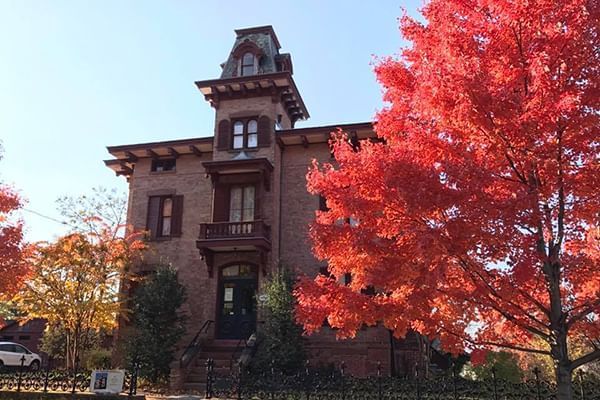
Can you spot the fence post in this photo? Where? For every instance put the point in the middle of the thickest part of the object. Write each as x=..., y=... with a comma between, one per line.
x=494, y=382
x=379, y=396
x=137, y=375
x=454, y=379
x=240, y=381
x=271, y=382
x=209, y=378
x=20, y=373
x=133, y=380
x=343, y=378
x=47, y=376
x=418, y=382
x=582, y=392
x=536, y=372
x=306, y=377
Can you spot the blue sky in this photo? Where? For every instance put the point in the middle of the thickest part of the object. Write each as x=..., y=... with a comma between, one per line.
x=76, y=76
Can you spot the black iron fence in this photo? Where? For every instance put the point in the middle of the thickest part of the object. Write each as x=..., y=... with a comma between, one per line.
x=57, y=381
x=312, y=384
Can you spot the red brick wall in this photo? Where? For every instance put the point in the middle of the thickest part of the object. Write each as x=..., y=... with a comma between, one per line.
x=29, y=334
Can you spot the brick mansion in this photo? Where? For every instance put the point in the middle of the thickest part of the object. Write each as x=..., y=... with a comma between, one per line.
x=226, y=210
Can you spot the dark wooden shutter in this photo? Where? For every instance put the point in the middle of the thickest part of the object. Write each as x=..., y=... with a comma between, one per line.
x=221, y=203
x=177, y=217
x=323, y=203
x=153, y=215
x=265, y=128
x=223, y=135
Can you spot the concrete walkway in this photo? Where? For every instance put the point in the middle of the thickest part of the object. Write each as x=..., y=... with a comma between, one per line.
x=173, y=397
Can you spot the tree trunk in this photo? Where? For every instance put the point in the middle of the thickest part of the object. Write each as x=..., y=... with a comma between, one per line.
x=564, y=382
x=68, y=349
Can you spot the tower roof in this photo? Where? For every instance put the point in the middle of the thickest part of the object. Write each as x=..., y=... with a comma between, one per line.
x=266, y=29
x=255, y=67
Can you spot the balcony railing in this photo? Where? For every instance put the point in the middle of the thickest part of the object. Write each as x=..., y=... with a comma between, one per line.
x=234, y=230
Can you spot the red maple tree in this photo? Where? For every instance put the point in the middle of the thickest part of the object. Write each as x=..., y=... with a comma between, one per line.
x=476, y=216
x=13, y=269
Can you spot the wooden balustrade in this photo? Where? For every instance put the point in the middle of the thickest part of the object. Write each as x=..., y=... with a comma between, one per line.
x=234, y=230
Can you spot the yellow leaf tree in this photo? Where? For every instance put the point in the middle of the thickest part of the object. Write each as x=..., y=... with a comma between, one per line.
x=75, y=284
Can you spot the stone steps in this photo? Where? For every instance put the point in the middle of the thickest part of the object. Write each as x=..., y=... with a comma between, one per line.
x=220, y=352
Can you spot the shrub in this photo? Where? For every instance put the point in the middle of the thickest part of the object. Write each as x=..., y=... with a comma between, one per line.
x=281, y=345
x=97, y=359
x=157, y=326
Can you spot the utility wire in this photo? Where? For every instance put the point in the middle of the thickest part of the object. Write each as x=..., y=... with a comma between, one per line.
x=48, y=217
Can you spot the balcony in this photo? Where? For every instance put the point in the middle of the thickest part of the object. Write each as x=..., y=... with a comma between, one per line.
x=235, y=230
x=218, y=237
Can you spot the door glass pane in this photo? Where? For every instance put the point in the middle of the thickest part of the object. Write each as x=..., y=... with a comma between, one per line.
x=228, y=309
x=247, y=300
x=228, y=296
x=228, y=299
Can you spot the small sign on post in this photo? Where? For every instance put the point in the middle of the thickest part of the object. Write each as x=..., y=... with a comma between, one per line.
x=107, y=381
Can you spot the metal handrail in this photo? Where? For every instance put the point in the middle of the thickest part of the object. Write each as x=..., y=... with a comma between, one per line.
x=238, y=348
x=247, y=346
x=193, y=348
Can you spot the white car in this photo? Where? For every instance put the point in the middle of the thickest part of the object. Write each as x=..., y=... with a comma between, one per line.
x=11, y=355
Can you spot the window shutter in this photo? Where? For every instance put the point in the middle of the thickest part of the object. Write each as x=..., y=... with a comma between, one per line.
x=265, y=128
x=153, y=215
x=223, y=135
x=177, y=218
x=323, y=203
x=221, y=203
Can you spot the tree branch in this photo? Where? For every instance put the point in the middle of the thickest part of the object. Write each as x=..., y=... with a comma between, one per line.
x=594, y=355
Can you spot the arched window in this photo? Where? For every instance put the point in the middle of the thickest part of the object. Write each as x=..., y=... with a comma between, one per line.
x=252, y=133
x=245, y=133
x=238, y=135
x=247, y=67
x=239, y=270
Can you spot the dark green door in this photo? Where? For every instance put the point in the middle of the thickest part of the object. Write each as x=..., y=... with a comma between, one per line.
x=236, y=317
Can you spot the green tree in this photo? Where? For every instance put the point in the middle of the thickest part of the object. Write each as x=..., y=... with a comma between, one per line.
x=504, y=364
x=157, y=325
x=54, y=343
x=281, y=345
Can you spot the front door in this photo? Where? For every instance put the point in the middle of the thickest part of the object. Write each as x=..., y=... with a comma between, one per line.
x=236, y=317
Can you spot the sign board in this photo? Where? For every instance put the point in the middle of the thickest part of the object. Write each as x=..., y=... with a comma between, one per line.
x=263, y=298
x=107, y=381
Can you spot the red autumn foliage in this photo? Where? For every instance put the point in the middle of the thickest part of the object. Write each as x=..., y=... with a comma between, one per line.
x=482, y=203
x=13, y=269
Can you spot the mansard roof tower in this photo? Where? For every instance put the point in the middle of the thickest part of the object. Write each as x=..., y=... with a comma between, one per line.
x=256, y=78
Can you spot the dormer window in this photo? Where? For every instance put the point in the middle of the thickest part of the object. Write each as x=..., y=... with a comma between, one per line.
x=245, y=134
x=248, y=64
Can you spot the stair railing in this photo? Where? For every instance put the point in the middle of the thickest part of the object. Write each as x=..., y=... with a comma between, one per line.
x=240, y=344
x=192, y=350
x=244, y=351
